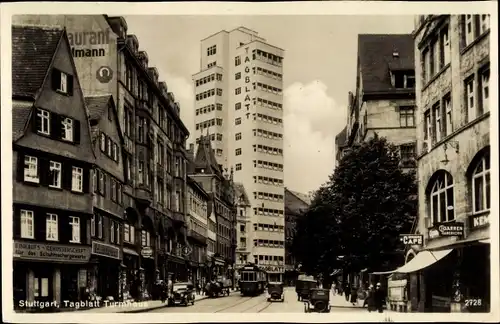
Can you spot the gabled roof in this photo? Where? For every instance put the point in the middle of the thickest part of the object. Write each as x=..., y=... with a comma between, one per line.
x=295, y=202
x=341, y=137
x=205, y=157
x=240, y=193
x=21, y=113
x=375, y=53
x=33, y=48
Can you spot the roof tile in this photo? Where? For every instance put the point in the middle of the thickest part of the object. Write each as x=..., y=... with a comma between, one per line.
x=32, y=50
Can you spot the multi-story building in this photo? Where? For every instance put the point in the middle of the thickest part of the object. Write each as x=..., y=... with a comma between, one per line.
x=221, y=209
x=52, y=162
x=453, y=133
x=109, y=62
x=296, y=205
x=107, y=182
x=384, y=99
x=197, y=228
x=239, y=104
x=243, y=226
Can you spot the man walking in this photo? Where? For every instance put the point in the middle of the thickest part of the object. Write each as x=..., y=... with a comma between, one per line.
x=379, y=298
x=347, y=291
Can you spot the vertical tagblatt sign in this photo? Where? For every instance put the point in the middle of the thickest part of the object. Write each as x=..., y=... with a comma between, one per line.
x=248, y=89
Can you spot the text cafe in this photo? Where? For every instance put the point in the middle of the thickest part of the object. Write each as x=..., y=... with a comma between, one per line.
x=105, y=270
x=48, y=272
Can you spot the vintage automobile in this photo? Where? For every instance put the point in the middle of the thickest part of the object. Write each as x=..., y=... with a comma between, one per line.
x=303, y=286
x=182, y=293
x=219, y=287
x=275, y=291
x=318, y=302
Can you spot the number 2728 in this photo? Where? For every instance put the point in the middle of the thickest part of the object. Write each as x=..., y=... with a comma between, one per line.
x=473, y=302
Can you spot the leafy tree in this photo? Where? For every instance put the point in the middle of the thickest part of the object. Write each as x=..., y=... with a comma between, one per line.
x=355, y=219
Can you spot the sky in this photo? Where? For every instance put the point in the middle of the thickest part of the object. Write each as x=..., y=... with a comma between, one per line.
x=318, y=72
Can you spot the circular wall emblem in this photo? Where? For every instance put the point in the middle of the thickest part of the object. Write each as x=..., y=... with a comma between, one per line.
x=104, y=74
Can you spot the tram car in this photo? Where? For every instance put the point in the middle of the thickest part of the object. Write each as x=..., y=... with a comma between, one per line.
x=253, y=280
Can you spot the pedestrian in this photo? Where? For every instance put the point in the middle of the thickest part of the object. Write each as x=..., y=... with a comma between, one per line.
x=379, y=298
x=334, y=288
x=354, y=295
x=347, y=291
x=370, y=299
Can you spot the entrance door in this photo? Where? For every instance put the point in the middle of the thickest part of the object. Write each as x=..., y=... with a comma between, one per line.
x=42, y=285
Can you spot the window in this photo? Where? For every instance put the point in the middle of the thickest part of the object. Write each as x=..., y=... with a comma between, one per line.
x=481, y=190
x=74, y=222
x=212, y=50
x=237, y=76
x=427, y=128
x=112, y=232
x=110, y=147
x=407, y=116
x=27, y=223
x=237, y=151
x=436, y=114
x=67, y=129
x=237, y=136
x=469, y=97
x=92, y=225
x=407, y=152
x=238, y=166
x=484, y=24
x=55, y=174
x=77, y=179
x=31, y=169
x=99, y=226
x=140, y=172
x=442, y=200
x=237, y=60
x=237, y=121
x=43, y=121
x=445, y=48
x=51, y=230
x=63, y=85
x=115, y=152
x=237, y=90
x=448, y=114
x=237, y=106
x=219, y=92
x=485, y=90
x=103, y=142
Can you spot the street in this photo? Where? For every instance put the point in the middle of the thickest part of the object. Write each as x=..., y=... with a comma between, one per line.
x=235, y=303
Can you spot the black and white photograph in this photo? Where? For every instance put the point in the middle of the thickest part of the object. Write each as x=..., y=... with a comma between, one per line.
x=173, y=166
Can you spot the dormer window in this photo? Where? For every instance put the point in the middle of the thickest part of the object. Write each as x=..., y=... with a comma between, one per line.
x=62, y=82
x=403, y=79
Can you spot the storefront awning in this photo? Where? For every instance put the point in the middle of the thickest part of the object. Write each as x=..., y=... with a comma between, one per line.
x=485, y=241
x=420, y=261
x=130, y=251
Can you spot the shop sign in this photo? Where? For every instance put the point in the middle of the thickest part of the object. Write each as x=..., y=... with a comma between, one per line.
x=479, y=220
x=273, y=269
x=411, y=239
x=147, y=252
x=52, y=252
x=447, y=229
x=106, y=250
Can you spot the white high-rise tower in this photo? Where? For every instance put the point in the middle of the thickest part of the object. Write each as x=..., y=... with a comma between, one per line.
x=239, y=103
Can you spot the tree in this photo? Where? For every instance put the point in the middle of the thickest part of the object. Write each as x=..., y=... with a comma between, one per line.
x=359, y=213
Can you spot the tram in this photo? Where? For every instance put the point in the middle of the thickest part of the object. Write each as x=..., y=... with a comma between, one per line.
x=253, y=280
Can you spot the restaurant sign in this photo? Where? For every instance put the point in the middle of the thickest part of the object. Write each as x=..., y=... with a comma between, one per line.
x=447, y=229
x=51, y=252
x=147, y=252
x=106, y=250
x=411, y=239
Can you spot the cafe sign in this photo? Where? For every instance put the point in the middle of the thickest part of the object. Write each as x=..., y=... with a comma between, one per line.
x=147, y=252
x=447, y=230
x=51, y=252
x=411, y=239
x=106, y=250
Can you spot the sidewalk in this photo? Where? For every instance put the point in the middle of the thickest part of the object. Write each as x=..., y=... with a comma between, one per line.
x=139, y=307
x=337, y=301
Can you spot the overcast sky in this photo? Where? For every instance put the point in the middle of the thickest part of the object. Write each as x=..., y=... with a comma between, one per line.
x=319, y=70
